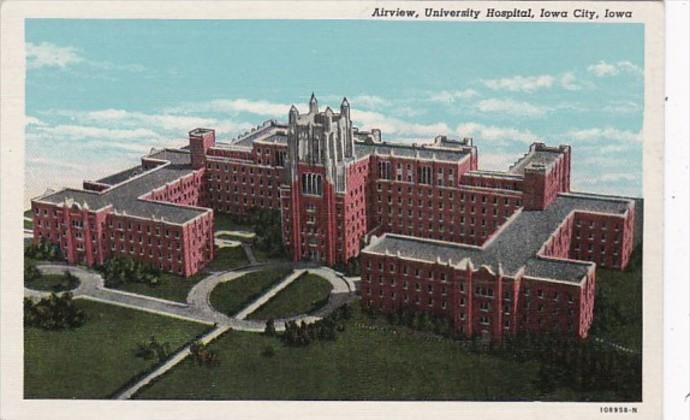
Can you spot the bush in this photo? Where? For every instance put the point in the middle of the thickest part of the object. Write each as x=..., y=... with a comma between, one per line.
x=302, y=334
x=53, y=313
x=44, y=250
x=31, y=272
x=119, y=270
x=203, y=356
x=269, y=234
x=270, y=329
x=152, y=349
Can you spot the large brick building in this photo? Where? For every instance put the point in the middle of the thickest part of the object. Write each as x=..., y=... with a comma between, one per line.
x=496, y=252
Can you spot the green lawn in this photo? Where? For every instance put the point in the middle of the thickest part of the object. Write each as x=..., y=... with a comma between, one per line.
x=52, y=283
x=618, y=304
x=233, y=296
x=95, y=360
x=305, y=295
x=228, y=259
x=362, y=364
x=226, y=222
x=172, y=287
x=28, y=224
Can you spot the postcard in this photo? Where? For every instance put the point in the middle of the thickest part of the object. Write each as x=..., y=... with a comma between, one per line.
x=332, y=209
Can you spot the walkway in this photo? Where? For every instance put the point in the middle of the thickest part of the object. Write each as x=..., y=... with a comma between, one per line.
x=198, y=307
x=169, y=364
x=270, y=294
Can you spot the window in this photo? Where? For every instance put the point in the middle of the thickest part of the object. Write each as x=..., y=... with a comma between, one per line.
x=311, y=184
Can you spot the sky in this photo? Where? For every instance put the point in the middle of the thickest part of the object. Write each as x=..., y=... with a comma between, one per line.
x=101, y=93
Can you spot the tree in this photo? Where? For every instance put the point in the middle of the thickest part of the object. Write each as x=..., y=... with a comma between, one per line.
x=31, y=272
x=43, y=250
x=270, y=329
x=119, y=270
x=53, y=313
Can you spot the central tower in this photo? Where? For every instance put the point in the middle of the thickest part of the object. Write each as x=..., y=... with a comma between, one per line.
x=321, y=139
x=320, y=150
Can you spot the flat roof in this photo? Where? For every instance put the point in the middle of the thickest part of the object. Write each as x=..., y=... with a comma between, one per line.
x=515, y=245
x=411, y=151
x=534, y=159
x=123, y=196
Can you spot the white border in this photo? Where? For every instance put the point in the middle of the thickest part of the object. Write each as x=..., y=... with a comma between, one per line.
x=12, y=179
x=677, y=285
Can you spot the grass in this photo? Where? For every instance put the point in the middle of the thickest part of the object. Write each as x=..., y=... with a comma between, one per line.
x=262, y=256
x=172, y=287
x=52, y=283
x=96, y=359
x=228, y=259
x=226, y=222
x=362, y=364
x=28, y=224
x=305, y=295
x=618, y=316
x=233, y=296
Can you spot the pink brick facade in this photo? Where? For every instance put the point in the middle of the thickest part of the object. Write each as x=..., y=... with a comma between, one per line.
x=496, y=252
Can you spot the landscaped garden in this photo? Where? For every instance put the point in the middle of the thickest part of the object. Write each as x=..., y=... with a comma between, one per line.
x=303, y=296
x=97, y=358
x=232, y=296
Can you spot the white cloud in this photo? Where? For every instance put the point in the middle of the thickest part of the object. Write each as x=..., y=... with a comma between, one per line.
x=46, y=54
x=173, y=124
x=622, y=107
x=484, y=132
x=79, y=132
x=568, y=82
x=449, y=97
x=511, y=107
x=369, y=101
x=249, y=106
x=604, y=69
x=496, y=161
x=393, y=126
x=32, y=121
x=521, y=83
x=607, y=133
x=54, y=163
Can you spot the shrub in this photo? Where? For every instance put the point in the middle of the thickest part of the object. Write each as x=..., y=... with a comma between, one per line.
x=270, y=329
x=202, y=355
x=44, y=250
x=31, y=272
x=53, y=313
x=153, y=349
x=269, y=235
x=119, y=270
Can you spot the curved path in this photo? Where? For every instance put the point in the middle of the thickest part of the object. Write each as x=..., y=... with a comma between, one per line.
x=198, y=307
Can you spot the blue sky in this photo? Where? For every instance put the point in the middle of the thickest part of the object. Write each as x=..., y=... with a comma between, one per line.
x=100, y=93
